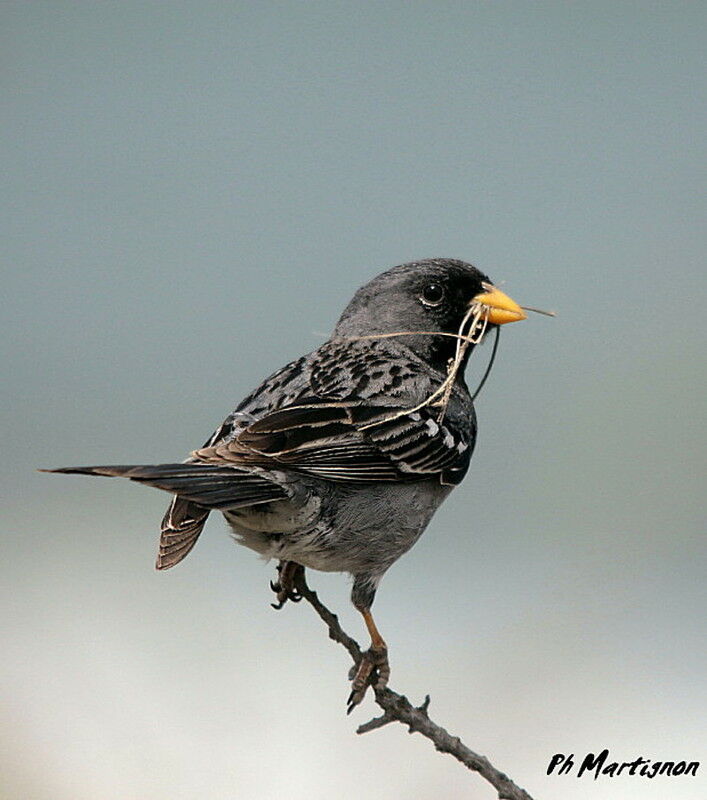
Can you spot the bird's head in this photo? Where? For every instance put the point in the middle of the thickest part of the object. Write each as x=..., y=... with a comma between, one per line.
x=436, y=296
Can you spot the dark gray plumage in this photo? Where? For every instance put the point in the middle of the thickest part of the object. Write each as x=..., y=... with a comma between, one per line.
x=338, y=460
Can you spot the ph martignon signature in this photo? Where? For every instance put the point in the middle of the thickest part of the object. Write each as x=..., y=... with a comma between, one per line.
x=601, y=766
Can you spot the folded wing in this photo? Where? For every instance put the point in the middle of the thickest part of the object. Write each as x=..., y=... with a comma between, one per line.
x=347, y=442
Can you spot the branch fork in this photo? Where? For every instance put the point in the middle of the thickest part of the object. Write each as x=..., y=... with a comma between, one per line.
x=397, y=708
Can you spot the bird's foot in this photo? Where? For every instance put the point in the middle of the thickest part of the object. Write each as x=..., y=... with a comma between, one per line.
x=372, y=670
x=284, y=586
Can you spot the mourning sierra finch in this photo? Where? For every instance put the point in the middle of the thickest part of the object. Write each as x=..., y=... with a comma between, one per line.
x=338, y=460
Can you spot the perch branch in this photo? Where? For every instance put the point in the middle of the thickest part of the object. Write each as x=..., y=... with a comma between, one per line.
x=397, y=708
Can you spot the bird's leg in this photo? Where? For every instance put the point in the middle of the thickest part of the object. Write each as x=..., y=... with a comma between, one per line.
x=284, y=586
x=373, y=669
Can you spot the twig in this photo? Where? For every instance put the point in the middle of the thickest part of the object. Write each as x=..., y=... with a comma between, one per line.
x=397, y=708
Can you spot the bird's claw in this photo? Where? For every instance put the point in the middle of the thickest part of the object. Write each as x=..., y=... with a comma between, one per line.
x=284, y=586
x=283, y=596
x=372, y=670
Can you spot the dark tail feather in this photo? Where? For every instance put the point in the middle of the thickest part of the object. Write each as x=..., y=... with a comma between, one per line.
x=199, y=488
x=181, y=527
x=208, y=485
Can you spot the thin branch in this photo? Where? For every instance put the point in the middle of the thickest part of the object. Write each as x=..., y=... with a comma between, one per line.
x=397, y=708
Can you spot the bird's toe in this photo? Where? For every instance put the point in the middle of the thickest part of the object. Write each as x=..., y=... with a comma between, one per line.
x=372, y=670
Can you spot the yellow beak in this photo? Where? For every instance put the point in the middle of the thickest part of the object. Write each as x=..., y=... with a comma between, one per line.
x=501, y=308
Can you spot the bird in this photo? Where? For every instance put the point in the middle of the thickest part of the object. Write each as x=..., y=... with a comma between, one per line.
x=338, y=461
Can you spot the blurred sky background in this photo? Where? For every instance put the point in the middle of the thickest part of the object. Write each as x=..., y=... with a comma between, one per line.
x=193, y=191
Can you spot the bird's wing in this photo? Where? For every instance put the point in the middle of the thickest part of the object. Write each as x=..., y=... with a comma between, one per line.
x=353, y=413
x=347, y=442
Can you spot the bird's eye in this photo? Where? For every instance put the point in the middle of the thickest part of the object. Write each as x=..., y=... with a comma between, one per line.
x=432, y=294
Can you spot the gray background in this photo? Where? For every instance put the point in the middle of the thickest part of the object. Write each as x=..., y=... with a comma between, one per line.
x=193, y=192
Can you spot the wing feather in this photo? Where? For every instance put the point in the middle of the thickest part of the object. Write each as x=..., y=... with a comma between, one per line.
x=347, y=442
